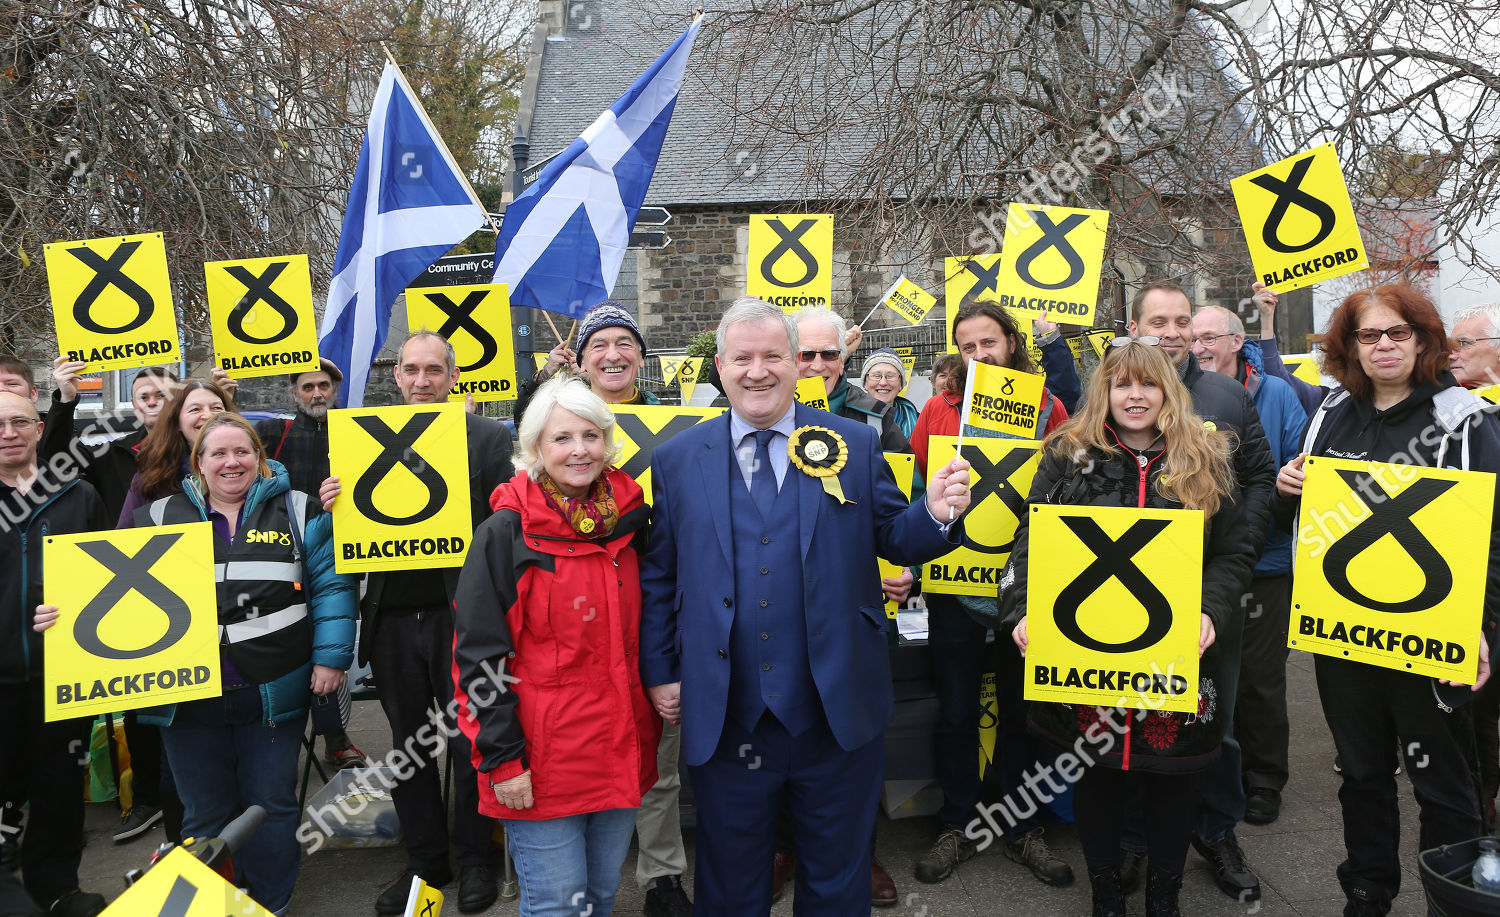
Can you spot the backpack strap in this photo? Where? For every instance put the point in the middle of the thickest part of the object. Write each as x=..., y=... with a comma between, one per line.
x=296, y=511
x=282, y=442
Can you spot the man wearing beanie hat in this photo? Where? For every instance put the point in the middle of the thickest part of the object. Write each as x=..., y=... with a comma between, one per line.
x=889, y=378
x=610, y=355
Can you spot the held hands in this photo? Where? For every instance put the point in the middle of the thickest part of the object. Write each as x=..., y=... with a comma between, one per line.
x=1019, y=635
x=1483, y=675
x=897, y=588
x=666, y=700
x=46, y=616
x=222, y=380
x=1206, y=635
x=558, y=358
x=65, y=376
x=1289, y=480
x=325, y=680
x=515, y=793
x=948, y=495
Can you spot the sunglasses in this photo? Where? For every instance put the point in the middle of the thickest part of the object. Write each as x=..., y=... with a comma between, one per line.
x=1395, y=333
x=807, y=356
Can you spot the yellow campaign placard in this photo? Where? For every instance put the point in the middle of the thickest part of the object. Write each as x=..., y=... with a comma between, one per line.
x=1002, y=399
x=1490, y=393
x=1304, y=366
x=476, y=321
x=1298, y=222
x=813, y=392
x=1001, y=472
x=979, y=275
x=1114, y=605
x=1051, y=261
x=790, y=261
x=540, y=359
x=138, y=623
x=989, y=720
x=640, y=428
x=670, y=367
x=404, y=475
x=1387, y=569
x=112, y=302
x=903, y=466
x=261, y=310
x=1099, y=340
x=425, y=901
x=180, y=885
x=909, y=364
x=908, y=300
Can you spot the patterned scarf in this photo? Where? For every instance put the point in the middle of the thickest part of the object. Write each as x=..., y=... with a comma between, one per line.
x=592, y=515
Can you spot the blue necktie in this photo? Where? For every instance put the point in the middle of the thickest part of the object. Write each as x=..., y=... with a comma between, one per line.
x=762, y=475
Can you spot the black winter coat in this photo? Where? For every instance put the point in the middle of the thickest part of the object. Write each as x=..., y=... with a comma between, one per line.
x=1225, y=404
x=1153, y=741
x=26, y=519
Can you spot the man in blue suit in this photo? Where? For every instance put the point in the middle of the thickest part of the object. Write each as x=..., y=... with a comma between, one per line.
x=762, y=626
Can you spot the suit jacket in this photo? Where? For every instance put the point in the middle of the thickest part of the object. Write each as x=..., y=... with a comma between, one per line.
x=687, y=577
x=489, y=466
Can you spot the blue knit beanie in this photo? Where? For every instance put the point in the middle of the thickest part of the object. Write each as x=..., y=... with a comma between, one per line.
x=607, y=314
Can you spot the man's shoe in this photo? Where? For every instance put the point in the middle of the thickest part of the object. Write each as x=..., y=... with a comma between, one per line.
x=1230, y=871
x=665, y=898
x=1132, y=865
x=785, y=865
x=882, y=886
x=138, y=822
x=950, y=849
x=476, y=889
x=77, y=904
x=392, y=901
x=1032, y=852
x=1262, y=806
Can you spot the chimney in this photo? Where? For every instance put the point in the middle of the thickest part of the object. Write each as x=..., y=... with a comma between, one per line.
x=553, y=14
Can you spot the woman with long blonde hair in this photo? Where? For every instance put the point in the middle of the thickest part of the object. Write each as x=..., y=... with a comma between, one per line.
x=1135, y=442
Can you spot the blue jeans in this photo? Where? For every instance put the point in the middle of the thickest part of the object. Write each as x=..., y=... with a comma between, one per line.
x=224, y=759
x=570, y=866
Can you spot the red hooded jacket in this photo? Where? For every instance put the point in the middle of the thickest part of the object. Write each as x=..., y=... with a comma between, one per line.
x=560, y=616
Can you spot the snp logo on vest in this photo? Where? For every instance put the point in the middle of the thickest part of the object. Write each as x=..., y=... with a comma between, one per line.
x=257, y=536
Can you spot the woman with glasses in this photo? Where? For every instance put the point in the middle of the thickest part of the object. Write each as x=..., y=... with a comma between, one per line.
x=1137, y=443
x=883, y=375
x=1398, y=403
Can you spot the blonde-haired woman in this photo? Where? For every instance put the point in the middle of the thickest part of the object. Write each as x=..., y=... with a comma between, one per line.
x=550, y=596
x=1137, y=443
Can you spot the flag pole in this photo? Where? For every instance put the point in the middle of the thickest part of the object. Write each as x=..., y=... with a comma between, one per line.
x=963, y=417
x=472, y=193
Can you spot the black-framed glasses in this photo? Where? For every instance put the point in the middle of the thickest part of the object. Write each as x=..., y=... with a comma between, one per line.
x=1466, y=343
x=1150, y=340
x=807, y=356
x=1207, y=340
x=1400, y=332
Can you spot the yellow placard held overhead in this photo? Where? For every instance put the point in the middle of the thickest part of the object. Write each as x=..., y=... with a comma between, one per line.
x=476, y=321
x=813, y=392
x=640, y=428
x=903, y=466
x=1304, y=366
x=261, y=310
x=979, y=276
x=1004, y=400
x=180, y=885
x=791, y=259
x=1390, y=571
x=1001, y=472
x=1051, y=261
x=908, y=300
x=1114, y=605
x=1298, y=222
x=138, y=624
x=404, y=475
x=112, y=302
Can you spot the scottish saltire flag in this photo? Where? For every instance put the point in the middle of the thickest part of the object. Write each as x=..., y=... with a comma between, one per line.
x=562, y=241
x=408, y=206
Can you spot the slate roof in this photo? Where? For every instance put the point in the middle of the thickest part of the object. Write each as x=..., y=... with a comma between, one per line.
x=608, y=43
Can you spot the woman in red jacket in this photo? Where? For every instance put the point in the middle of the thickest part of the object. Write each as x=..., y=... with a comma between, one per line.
x=546, y=656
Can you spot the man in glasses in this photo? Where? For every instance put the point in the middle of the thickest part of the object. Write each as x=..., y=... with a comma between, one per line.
x=1163, y=310
x=42, y=760
x=1257, y=719
x=820, y=342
